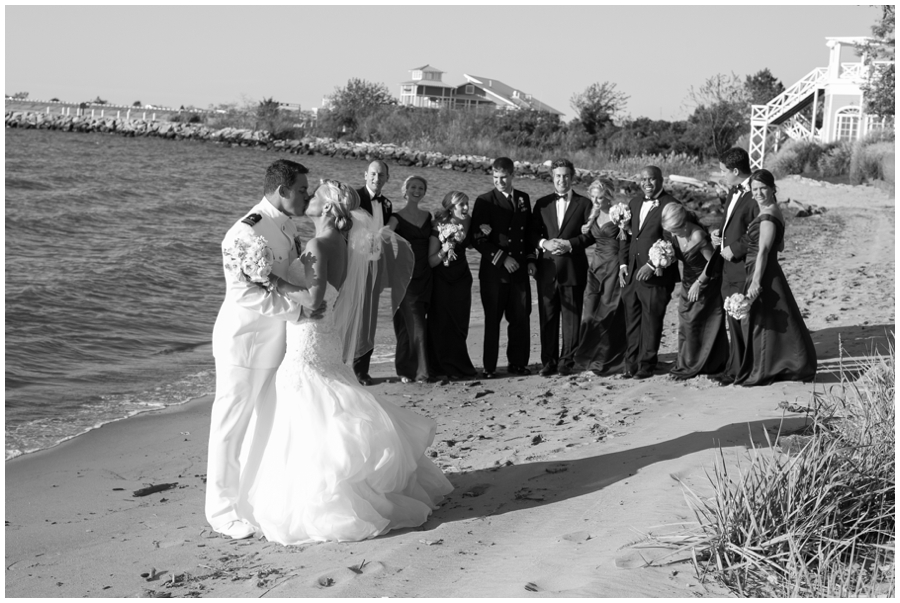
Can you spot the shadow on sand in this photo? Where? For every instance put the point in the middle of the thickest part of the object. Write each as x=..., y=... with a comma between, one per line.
x=510, y=488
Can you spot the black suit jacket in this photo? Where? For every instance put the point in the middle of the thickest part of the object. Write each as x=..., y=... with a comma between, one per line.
x=734, y=235
x=508, y=237
x=637, y=252
x=568, y=269
x=365, y=202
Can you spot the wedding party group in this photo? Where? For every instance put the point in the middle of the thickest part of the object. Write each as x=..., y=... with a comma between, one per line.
x=299, y=448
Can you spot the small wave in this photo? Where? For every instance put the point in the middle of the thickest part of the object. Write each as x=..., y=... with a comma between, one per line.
x=175, y=348
x=23, y=184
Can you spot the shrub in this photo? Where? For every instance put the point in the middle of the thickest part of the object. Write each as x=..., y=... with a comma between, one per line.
x=868, y=161
x=835, y=160
x=795, y=157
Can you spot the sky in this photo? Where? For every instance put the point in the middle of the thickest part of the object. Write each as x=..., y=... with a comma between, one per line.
x=208, y=55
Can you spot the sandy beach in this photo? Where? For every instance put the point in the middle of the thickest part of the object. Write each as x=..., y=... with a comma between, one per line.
x=557, y=481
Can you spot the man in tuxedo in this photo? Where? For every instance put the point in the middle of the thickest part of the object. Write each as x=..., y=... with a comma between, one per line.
x=646, y=293
x=503, y=273
x=740, y=210
x=248, y=344
x=379, y=207
x=561, y=269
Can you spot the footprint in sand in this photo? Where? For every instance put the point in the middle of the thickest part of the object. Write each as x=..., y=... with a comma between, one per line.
x=345, y=574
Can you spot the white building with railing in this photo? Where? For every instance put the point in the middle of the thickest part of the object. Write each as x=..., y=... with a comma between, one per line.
x=836, y=88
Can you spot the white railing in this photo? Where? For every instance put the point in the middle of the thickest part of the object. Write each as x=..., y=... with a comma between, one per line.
x=789, y=99
x=853, y=71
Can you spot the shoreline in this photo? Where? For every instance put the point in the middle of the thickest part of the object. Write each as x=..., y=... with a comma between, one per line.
x=557, y=480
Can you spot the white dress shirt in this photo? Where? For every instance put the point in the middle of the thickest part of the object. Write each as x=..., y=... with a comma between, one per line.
x=377, y=211
x=745, y=185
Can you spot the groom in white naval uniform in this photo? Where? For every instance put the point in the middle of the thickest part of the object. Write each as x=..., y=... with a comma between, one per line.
x=249, y=345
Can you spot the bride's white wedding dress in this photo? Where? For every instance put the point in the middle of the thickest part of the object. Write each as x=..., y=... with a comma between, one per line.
x=338, y=464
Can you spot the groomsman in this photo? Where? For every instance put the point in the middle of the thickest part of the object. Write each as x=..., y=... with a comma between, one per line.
x=249, y=345
x=561, y=269
x=503, y=275
x=379, y=207
x=645, y=294
x=740, y=210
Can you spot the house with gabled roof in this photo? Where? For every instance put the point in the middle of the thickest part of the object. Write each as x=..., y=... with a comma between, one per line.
x=426, y=88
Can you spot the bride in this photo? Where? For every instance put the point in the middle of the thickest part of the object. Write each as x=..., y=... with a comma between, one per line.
x=334, y=462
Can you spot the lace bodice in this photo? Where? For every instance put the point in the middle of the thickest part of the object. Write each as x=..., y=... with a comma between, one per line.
x=314, y=343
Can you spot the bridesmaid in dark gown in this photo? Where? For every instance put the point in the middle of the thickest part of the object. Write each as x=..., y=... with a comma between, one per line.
x=601, y=346
x=779, y=346
x=702, y=341
x=451, y=296
x=414, y=225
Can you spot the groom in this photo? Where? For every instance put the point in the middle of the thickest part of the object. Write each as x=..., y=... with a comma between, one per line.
x=249, y=343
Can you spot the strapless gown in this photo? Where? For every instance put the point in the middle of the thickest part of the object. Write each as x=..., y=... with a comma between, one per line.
x=335, y=462
x=779, y=346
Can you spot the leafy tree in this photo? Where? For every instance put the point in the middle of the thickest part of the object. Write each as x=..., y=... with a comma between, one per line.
x=598, y=105
x=878, y=91
x=136, y=104
x=99, y=101
x=720, y=115
x=20, y=95
x=54, y=100
x=267, y=115
x=352, y=103
x=762, y=87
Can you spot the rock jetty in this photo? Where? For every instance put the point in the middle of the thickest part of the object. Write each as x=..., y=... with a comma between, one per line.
x=697, y=196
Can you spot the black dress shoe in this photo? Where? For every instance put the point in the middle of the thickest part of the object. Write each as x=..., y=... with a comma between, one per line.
x=627, y=375
x=642, y=374
x=515, y=369
x=565, y=370
x=548, y=370
x=488, y=374
x=364, y=379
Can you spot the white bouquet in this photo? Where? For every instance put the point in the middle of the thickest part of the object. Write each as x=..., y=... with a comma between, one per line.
x=620, y=215
x=737, y=305
x=250, y=261
x=662, y=254
x=449, y=234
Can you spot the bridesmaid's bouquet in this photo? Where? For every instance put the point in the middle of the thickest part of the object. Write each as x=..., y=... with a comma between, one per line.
x=737, y=305
x=449, y=234
x=620, y=215
x=662, y=254
x=250, y=261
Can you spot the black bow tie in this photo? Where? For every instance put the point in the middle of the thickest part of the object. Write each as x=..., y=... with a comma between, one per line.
x=378, y=198
x=646, y=199
x=562, y=197
x=737, y=190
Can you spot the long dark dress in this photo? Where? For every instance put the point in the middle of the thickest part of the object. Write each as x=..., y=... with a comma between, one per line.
x=601, y=340
x=448, y=315
x=411, y=357
x=779, y=347
x=702, y=341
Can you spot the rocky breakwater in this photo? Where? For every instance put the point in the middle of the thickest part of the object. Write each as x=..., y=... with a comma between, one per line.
x=698, y=196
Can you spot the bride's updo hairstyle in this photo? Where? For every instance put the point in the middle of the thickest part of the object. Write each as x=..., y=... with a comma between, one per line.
x=410, y=179
x=343, y=200
x=673, y=216
x=451, y=200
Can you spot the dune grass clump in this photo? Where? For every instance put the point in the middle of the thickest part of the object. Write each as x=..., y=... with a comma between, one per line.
x=815, y=518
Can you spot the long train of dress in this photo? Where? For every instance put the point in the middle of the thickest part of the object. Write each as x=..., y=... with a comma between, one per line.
x=335, y=462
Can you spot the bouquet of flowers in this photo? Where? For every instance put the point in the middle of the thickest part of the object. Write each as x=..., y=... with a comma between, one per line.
x=737, y=305
x=620, y=215
x=250, y=261
x=662, y=254
x=449, y=234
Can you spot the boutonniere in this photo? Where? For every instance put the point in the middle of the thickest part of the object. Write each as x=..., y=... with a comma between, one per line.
x=654, y=203
x=520, y=204
x=387, y=203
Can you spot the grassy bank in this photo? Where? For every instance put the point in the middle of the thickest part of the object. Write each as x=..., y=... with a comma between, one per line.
x=817, y=518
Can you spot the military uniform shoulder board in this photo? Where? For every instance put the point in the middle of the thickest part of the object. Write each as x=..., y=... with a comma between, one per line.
x=252, y=219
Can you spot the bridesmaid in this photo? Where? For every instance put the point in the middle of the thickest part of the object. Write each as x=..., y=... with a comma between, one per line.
x=451, y=297
x=702, y=342
x=414, y=225
x=779, y=346
x=602, y=337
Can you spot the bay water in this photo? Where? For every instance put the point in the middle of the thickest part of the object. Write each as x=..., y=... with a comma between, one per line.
x=114, y=271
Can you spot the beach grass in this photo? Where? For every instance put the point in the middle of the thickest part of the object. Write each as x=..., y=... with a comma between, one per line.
x=813, y=515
